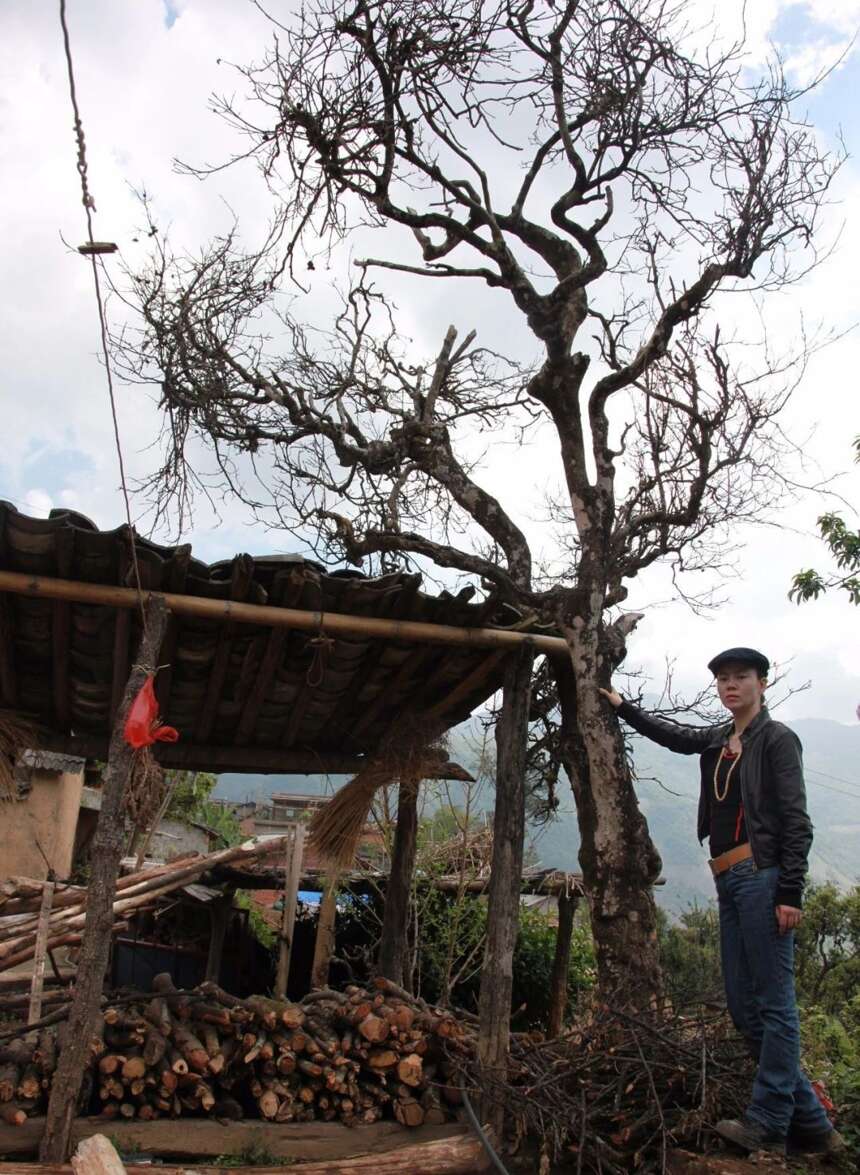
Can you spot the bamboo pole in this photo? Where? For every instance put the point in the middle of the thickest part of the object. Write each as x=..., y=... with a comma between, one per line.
x=40, y=954
x=336, y=623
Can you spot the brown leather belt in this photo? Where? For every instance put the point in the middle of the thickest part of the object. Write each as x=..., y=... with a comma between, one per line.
x=726, y=860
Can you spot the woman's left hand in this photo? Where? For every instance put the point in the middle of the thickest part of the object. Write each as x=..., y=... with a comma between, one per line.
x=787, y=917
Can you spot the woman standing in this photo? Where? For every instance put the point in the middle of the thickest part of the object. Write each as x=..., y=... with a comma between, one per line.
x=752, y=807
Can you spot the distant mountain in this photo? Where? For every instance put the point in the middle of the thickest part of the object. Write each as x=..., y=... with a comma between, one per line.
x=668, y=791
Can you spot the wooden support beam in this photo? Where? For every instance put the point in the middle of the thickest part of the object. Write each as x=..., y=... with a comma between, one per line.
x=393, y=943
x=38, y=982
x=503, y=901
x=326, y=932
x=567, y=903
x=99, y=923
x=219, y=913
x=332, y=623
x=292, y=877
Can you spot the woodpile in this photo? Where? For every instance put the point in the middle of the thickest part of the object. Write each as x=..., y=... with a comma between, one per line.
x=21, y=899
x=354, y=1057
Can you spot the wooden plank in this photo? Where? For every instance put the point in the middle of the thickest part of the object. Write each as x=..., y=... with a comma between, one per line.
x=293, y=873
x=38, y=983
x=334, y=623
x=201, y=1137
x=460, y=1154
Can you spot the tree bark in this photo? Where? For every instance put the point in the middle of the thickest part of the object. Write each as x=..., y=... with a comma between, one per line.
x=393, y=945
x=506, y=876
x=567, y=904
x=618, y=859
x=95, y=947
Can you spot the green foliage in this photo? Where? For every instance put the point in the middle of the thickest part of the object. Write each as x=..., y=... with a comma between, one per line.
x=844, y=546
x=690, y=953
x=831, y=1054
x=256, y=1154
x=263, y=933
x=828, y=950
x=189, y=789
x=451, y=943
x=223, y=823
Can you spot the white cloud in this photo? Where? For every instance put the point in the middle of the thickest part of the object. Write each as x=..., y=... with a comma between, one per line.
x=143, y=89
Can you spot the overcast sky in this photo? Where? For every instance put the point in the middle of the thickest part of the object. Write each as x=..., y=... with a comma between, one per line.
x=145, y=70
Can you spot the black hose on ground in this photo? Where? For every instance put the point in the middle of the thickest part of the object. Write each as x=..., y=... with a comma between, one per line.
x=482, y=1134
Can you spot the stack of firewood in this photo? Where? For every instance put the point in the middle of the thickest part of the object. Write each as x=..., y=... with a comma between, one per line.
x=352, y=1056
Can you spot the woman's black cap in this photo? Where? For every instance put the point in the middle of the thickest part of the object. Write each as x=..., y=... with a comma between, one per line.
x=741, y=657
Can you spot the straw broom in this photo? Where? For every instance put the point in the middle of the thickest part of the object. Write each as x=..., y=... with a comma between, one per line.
x=406, y=756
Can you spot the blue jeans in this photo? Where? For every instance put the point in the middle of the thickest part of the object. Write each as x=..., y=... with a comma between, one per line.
x=758, y=971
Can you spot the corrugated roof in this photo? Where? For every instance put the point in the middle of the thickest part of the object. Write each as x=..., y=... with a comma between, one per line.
x=250, y=691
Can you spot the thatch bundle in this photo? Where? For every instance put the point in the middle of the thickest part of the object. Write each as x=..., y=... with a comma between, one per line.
x=17, y=733
x=408, y=754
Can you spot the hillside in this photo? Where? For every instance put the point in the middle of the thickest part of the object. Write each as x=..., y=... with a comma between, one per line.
x=668, y=790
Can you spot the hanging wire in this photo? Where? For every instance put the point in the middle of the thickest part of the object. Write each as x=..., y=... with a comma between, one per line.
x=92, y=250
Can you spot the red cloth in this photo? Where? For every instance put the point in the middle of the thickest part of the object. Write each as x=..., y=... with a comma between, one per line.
x=142, y=727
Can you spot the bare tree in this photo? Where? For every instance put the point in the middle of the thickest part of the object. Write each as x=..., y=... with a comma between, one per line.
x=599, y=176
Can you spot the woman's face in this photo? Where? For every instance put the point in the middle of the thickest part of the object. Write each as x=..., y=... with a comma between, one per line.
x=739, y=687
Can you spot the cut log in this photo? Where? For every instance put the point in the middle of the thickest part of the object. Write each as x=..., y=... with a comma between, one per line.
x=410, y=1070
x=408, y=1112
x=12, y=1114
x=374, y=1028
x=9, y=1077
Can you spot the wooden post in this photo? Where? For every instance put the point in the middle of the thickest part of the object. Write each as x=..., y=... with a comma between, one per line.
x=98, y=927
x=395, y=919
x=567, y=904
x=38, y=981
x=219, y=914
x=324, y=945
x=509, y=822
x=293, y=873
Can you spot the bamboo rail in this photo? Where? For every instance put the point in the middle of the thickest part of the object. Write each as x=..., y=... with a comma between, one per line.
x=336, y=623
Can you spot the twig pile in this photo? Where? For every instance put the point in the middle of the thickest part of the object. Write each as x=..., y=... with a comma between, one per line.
x=355, y=1056
x=617, y=1091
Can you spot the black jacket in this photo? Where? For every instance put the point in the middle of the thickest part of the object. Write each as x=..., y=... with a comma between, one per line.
x=772, y=789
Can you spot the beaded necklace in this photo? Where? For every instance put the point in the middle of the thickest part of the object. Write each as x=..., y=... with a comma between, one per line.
x=735, y=759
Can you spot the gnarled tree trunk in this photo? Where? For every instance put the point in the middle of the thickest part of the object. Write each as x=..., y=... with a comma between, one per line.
x=618, y=859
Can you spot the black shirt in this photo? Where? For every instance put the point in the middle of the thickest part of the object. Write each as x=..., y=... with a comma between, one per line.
x=727, y=824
